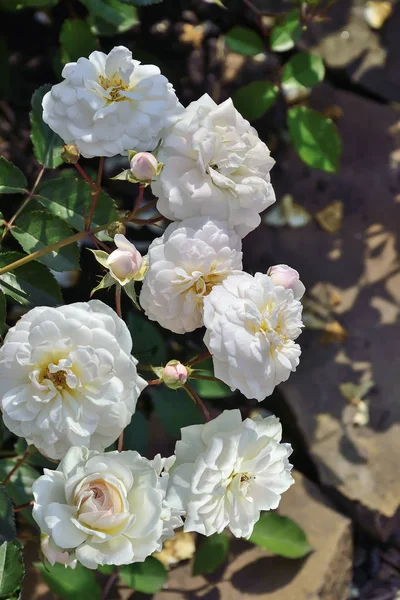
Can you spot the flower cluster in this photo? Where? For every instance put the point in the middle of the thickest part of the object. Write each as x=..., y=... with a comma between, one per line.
x=68, y=382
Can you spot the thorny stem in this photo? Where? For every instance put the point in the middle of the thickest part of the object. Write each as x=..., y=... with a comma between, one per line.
x=84, y=175
x=118, y=290
x=23, y=205
x=16, y=467
x=23, y=506
x=196, y=398
x=96, y=193
x=196, y=359
x=110, y=582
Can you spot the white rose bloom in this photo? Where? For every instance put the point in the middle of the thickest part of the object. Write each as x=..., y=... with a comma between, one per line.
x=227, y=471
x=110, y=103
x=67, y=377
x=171, y=517
x=184, y=264
x=103, y=509
x=215, y=165
x=251, y=327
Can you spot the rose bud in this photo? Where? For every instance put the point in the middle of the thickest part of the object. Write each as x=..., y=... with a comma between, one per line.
x=144, y=166
x=125, y=262
x=174, y=374
x=287, y=278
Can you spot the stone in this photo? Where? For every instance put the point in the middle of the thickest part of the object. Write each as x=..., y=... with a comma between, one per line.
x=251, y=572
x=352, y=278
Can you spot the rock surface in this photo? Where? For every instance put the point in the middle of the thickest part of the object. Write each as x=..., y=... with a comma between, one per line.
x=252, y=573
x=353, y=281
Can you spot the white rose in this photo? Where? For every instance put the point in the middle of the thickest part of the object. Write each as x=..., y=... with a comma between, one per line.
x=108, y=104
x=54, y=554
x=227, y=471
x=171, y=516
x=103, y=509
x=184, y=264
x=215, y=165
x=67, y=377
x=124, y=262
x=251, y=327
x=287, y=277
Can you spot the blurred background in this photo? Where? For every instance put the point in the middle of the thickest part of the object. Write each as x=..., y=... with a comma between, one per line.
x=320, y=81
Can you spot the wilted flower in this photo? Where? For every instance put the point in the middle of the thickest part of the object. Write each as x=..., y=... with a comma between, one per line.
x=251, y=327
x=288, y=278
x=184, y=264
x=102, y=509
x=110, y=103
x=227, y=471
x=67, y=377
x=215, y=165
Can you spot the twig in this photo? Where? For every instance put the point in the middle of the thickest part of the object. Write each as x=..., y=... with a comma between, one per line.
x=196, y=398
x=205, y=377
x=96, y=193
x=16, y=467
x=120, y=442
x=110, y=582
x=84, y=175
x=118, y=290
x=23, y=506
x=138, y=202
x=23, y=205
x=196, y=359
x=154, y=382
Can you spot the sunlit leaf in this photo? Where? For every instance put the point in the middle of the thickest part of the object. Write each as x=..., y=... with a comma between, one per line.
x=46, y=144
x=285, y=34
x=244, y=41
x=147, y=577
x=280, y=535
x=303, y=70
x=211, y=553
x=12, y=179
x=11, y=569
x=255, y=99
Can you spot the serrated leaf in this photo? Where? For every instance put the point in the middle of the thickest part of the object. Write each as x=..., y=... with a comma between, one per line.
x=244, y=41
x=175, y=409
x=147, y=577
x=12, y=179
x=148, y=343
x=7, y=521
x=209, y=389
x=303, y=70
x=3, y=313
x=38, y=230
x=70, y=198
x=211, y=553
x=11, y=569
x=76, y=40
x=285, y=34
x=30, y=284
x=71, y=584
x=46, y=144
x=255, y=99
x=108, y=17
x=280, y=535
x=136, y=434
x=315, y=138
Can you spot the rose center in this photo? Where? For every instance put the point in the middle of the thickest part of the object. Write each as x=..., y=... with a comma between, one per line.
x=114, y=86
x=205, y=284
x=59, y=378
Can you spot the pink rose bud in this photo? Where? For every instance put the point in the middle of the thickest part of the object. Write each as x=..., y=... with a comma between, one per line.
x=54, y=554
x=287, y=278
x=144, y=166
x=175, y=374
x=125, y=262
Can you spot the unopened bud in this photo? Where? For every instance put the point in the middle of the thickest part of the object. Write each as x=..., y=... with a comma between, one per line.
x=288, y=278
x=125, y=262
x=115, y=228
x=70, y=154
x=144, y=167
x=174, y=374
x=54, y=554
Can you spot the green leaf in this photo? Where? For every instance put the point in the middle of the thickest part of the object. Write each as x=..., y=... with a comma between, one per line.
x=136, y=434
x=148, y=343
x=30, y=284
x=7, y=522
x=175, y=409
x=303, y=71
x=211, y=553
x=3, y=313
x=70, y=198
x=244, y=41
x=285, y=35
x=147, y=577
x=76, y=39
x=280, y=535
x=46, y=144
x=11, y=569
x=20, y=486
x=106, y=569
x=141, y=2
x=71, y=584
x=108, y=17
x=255, y=99
x=38, y=230
x=315, y=138
x=209, y=389
x=12, y=179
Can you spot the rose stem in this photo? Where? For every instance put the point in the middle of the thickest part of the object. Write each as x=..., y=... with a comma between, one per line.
x=120, y=442
x=138, y=201
x=16, y=466
x=154, y=382
x=96, y=193
x=23, y=506
x=23, y=205
x=118, y=309
x=198, y=358
x=205, y=377
x=194, y=396
x=85, y=175
x=110, y=582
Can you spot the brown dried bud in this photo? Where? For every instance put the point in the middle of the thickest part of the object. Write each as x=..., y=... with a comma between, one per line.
x=115, y=228
x=70, y=154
